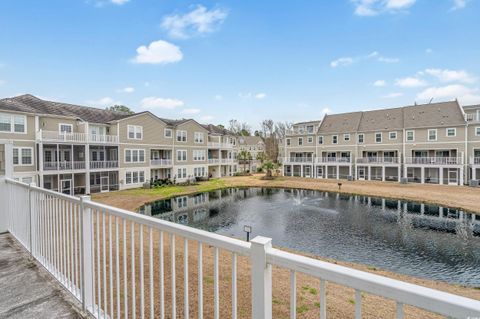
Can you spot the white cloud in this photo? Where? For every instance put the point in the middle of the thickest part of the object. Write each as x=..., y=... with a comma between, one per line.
x=250, y=95
x=380, y=83
x=459, y=4
x=326, y=110
x=453, y=91
x=410, y=82
x=375, y=55
x=191, y=111
x=376, y=7
x=103, y=102
x=341, y=62
x=446, y=75
x=158, y=52
x=260, y=96
x=206, y=118
x=392, y=95
x=127, y=89
x=196, y=22
x=160, y=103
x=119, y=2
x=218, y=97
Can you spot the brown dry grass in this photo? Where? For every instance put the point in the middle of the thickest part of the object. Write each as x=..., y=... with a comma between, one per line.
x=340, y=299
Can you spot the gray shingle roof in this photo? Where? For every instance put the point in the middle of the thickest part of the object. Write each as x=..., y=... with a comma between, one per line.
x=250, y=140
x=30, y=104
x=434, y=114
x=343, y=122
x=215, y=129
x=387, y=119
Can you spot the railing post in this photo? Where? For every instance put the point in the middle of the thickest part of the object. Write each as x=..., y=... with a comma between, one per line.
x=30, y=218
x=86, y=271
x=261, y=278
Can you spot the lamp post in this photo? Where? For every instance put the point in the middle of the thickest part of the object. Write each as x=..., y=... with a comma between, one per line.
x=248, y=230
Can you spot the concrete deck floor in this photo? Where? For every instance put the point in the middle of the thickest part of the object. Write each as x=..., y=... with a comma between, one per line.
x=26, y=289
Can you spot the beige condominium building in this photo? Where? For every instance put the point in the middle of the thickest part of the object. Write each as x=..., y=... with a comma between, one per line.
x=81, y=150
x=253, y=145
x=435, y=143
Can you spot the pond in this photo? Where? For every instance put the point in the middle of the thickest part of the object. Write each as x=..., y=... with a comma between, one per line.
x=420, y=240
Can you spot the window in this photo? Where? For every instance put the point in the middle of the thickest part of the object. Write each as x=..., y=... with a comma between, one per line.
x=198, y=155
x=410, y=136
x=22, y=156
x=378, y=137
x=168, y=133
x=182, y=173
x=65, y=128
x=477, y=131
x=134, y=177
x=320, y=140
x=181, y=136
x=478, y=115
x=288, y=142
x=392, y=135
x=346, y=137
x=199, y=172
x=300, y=141
x=309, y=139
x=310, y=129
x=432, y=135
x=13, y=123
x=181, y=155
x=199, y=137
x=334, y=139
x=182, y=201
x=134, y=156
x=361, y=138
x=451, y=132
x=135, y=132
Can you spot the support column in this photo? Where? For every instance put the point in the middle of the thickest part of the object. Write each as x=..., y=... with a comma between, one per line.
x=399, y=173
x=422, y=175
x=350, y=171
x=440, y=175
x=461, y=176
x=261, y=278
x=474, y=173
x=301, y=170
x=58, y=157
x=383, y=173
x=338, y=172
x=369, y=173
x=8, y=153
x=87, y=166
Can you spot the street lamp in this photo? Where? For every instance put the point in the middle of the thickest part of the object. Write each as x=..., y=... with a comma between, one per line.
x=248, y=230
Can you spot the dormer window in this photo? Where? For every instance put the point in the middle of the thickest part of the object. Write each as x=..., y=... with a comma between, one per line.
x=310, y=129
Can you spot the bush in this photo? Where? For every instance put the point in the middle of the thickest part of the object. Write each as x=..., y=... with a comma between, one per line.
x=160, y=182
x=259, y=169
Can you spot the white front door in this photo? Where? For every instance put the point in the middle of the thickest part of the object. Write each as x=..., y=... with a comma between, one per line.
x=361, y=173
x=452, y=177
x=104, y=185
x=66, y=186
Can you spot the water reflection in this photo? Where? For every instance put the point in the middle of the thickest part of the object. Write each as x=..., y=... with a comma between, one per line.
x=406, y=237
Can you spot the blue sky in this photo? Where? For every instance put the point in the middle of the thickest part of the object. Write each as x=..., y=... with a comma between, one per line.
x=248, y=60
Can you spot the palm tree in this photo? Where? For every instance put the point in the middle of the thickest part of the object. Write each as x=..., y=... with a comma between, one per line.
x=262, y=157
x=269, y=166
x=243, y=156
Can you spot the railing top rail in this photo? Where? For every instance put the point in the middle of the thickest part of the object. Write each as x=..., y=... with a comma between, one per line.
x=72, y=199
x=231, y=244
x=432, y=300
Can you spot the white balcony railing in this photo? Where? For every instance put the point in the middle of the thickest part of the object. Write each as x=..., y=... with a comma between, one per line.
x=213, y=161
x=298, y=160
x=434, y=160
x=103, y=164
x=63, y=166
x=160, y=162
x=92, y=250
x=475, y=161
x=54, y=136
x=334, y=160
x=377, y=160
x=227, y=161
x=220, y=145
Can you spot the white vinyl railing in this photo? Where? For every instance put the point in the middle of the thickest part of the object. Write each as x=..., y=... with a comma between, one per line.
x=121, y=264
x=219, y=145
x=475, y=160
x=103, y=164
x=213, y=161
x=434, y=160
x=298, y=159
x=63, y=166
x=377, y=160
x=74, y=137
x=333, y=160
x=160, y=162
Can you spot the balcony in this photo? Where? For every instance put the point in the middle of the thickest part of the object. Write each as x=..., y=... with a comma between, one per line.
x=214, y=161
x=81, y=243
x=103, y=164
x=291, y=160
x=63, y=166
x=475, y=161
x=220, y=145
x=161, y=162
x=62, y=137
x=378, y=160
x=334, y=160
x=227, y=161
x=434, y=160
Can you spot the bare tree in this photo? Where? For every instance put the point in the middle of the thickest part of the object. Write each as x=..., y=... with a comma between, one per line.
x=240, y=128
x=272, y=133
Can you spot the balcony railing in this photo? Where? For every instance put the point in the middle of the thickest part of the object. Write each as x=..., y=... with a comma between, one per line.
x=63, y=166
x=298, y=159
x=54, y=136
x=161, y=162
x=475, y=161
x=103, y=164
x=220, y=145
x=434, y=160
x=93, y=249
x=228, y=161
x=377, y=160
x=213, y=161
x=323, y=160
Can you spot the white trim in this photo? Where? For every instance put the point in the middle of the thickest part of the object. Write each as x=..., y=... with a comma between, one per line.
x=135, y=128
x=454, y=131
x=20, y=157
x=428, y=134
x=12, y=123
x=165, y=130
x=381, y=137
x=390, y=135
x=182, y=160
x=65, y=124
x=131, y=155
x=406, y=136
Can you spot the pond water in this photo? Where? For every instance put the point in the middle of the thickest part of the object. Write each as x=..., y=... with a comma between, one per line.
x=409, y=238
